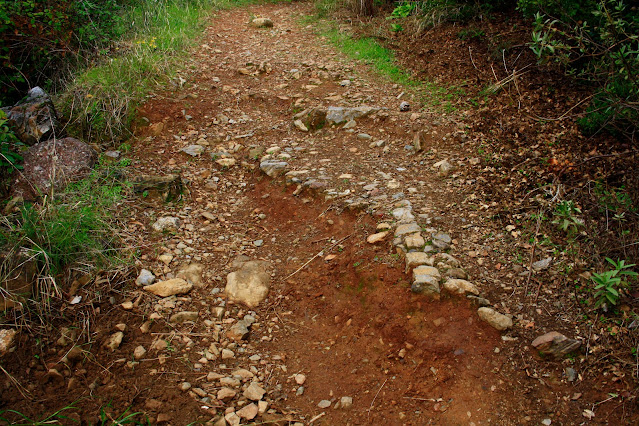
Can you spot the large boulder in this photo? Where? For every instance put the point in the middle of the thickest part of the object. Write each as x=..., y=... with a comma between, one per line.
x=250, y=284
x=34, y=119
x=53, y=164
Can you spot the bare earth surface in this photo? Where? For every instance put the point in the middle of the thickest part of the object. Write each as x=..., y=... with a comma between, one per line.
x=340, y=319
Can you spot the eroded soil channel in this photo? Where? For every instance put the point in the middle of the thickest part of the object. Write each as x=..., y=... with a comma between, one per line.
x=341, y=338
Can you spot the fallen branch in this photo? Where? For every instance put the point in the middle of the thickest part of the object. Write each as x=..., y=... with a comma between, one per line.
x=320, y=253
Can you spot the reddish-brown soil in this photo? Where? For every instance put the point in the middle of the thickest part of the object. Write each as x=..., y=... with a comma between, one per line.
x=349, y=322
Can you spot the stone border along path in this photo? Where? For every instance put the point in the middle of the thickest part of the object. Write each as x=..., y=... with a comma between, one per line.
x=424, y=249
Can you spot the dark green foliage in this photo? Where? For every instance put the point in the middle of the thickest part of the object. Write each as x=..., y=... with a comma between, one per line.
x=598, y=42
x=41, y=39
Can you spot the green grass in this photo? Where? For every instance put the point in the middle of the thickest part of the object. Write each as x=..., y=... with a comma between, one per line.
x=99, y=102
x=381, y=59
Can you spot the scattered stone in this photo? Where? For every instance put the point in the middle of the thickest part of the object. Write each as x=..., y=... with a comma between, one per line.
x=407, y=228
x=249, y=412
x=192, y=274
x=262, y=23
x=114, y=341
x=345, y=83
x=184, y=316
x=325, y=403
x=495, y=319
x=139, y=352
x=338, y=115
x=169, y=287
x=459, y=286
x=274, y=168
x=167, y=223
x=404, y=106
x=479, y=301
x=226, y=394
x=540, y=265
x=254, y=392
x=443, y=168
x=238, y=331
x=184, y=386
x=571, y=374
x=7, y=340
x=232, y=419
x=165, y=258
x=555, y=344
x=346, y=402
x=376, y=238
x=146, y=277
x=227, y=354
x=300, y=125
x=193, y=150
x=300, y=379
x=250, y=284
x=226, y=162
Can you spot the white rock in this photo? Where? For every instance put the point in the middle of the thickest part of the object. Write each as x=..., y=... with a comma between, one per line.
x=250, y=284
x=460, y=286
x=495, y=319
x=146, y=277
x=300, y=379
x=167, y=223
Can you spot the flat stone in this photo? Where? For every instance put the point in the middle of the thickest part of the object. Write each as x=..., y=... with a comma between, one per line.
x=226, y=394
x=325, y=403
x=495, y=319
x=254, y=392
x=226, y=162
x=262, y=23
x=555, y=344
x=540, y=265
x=167, y=223
x=414, y=259
x=169, y=287
x=403, y=214
x=346, y=402
x=274, y=168
x=184, y=316
x=459, y=286
x=249, y=412
x=407, y=228
x=427, y=270
x=414, y=241
x=193, y=150
x=192, y=274
x=377, y=238
x=425, y=284
x=441, y=240
x=337, y=115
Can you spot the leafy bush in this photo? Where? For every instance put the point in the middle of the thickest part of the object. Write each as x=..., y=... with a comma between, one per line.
x=608, y=283
x=597, y=41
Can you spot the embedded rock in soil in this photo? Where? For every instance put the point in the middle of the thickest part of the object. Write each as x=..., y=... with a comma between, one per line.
x=146, y=277
x=403, y=214
x=193, y=150
x=312, y=119
x=185, y=316
x=425, y=284
x=407, y=228
x=427, y=270
x=325, y=403
x=238, y=331
x=114, y=341
x=495, y=319
x=417, y=258
x=169, y=287
x=226, y=394
x=33, y=119
x=459, y=286
x=249, y=412
x=337, y=115
x=139, y=352
x=53, y=164
x=555, y=344
x=192, y=274
x=346, y=402
x=254, y=392
x=414, y=241
x=274, y=168
x=250, y=284
x=7, y=340
x=404, y=106
x=262, y=23
x=376, y=238
x=443, y=168
x=441, y=240
x=167, y=223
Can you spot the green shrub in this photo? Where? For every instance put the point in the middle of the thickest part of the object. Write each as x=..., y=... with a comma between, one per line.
x=598, y=42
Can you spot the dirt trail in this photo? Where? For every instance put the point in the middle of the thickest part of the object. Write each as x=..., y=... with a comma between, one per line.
x=349, y=322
